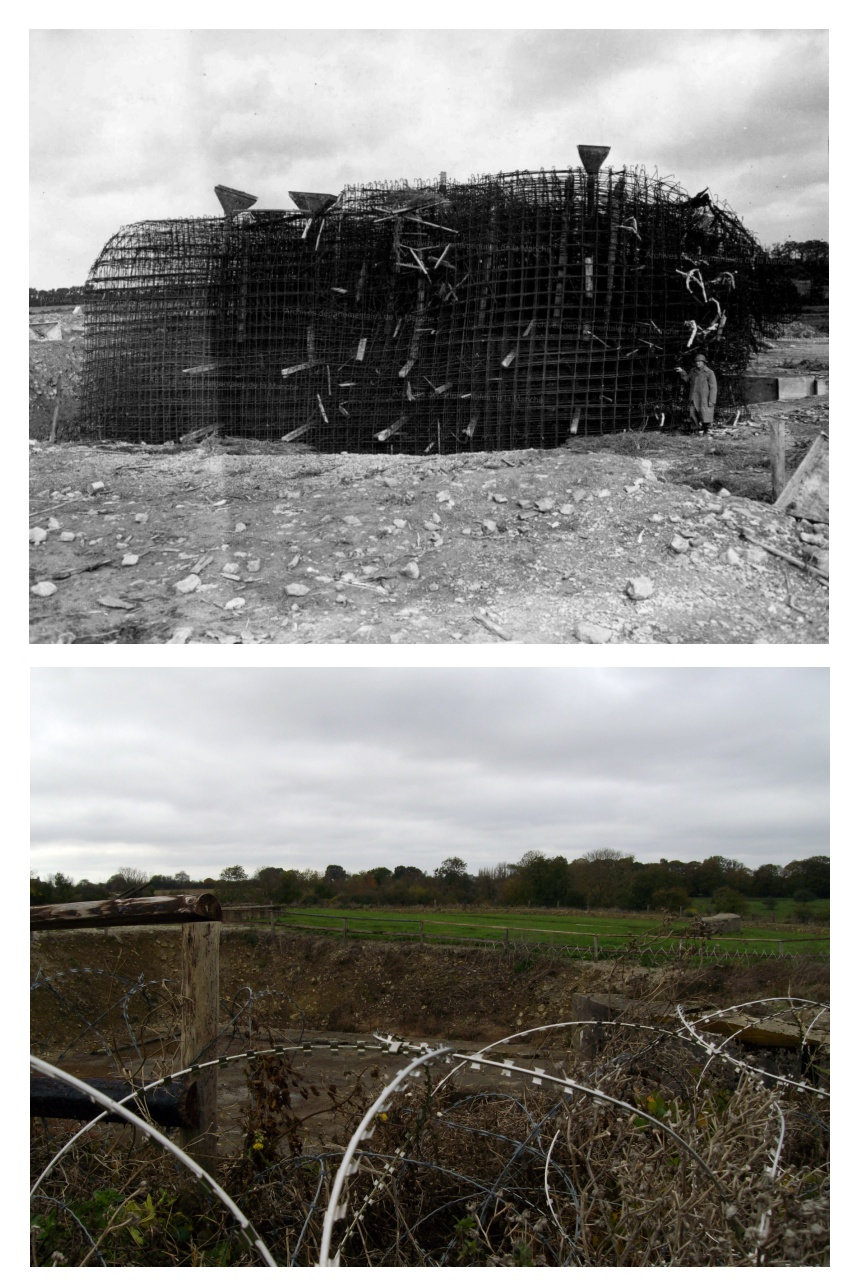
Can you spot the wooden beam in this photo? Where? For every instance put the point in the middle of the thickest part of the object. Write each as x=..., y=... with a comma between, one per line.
x=778, y=456
x=200, y=1016
x=154, y=910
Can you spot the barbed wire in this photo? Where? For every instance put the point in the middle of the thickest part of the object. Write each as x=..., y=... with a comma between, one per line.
x=535, y=1171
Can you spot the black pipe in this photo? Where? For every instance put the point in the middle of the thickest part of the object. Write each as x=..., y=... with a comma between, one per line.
x=169, y=1105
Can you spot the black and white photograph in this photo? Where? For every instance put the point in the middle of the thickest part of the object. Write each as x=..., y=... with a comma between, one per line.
x=456, y=337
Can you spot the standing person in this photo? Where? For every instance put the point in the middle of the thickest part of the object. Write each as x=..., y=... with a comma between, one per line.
x=703, y=393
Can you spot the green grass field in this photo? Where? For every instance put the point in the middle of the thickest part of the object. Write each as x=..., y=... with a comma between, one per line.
x=569, y=930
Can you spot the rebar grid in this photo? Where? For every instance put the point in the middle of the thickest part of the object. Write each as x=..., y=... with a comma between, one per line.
x=510, y=311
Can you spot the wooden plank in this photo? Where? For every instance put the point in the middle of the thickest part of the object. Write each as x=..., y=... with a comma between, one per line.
x=806, y=492
x=764, y=1033
x=155, y=910
x=200, y=1002
x=777, y=456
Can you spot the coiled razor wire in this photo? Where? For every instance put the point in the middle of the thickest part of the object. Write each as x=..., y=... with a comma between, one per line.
x=350, y=1162
x=252, y=1239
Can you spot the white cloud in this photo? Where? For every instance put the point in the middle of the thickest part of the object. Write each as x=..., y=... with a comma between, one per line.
x=148, y=121
x=203, y=768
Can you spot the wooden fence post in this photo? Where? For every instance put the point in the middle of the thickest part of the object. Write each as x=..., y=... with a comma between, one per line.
x=777, y=453
x=200, y=1016
x=596, y=949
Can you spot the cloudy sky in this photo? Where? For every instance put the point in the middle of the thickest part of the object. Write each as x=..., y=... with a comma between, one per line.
x=127, y=125
x=195, y=769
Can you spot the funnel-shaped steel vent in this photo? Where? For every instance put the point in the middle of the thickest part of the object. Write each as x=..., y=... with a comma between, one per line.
x=232, y=200
x=313, y=202
x=592, y=157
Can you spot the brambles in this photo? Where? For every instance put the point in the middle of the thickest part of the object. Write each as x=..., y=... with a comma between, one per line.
x=640, y=1139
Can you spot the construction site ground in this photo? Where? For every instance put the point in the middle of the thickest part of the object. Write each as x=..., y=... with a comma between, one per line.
x=649, y=537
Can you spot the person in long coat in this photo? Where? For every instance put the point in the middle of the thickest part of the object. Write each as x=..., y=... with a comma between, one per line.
x=703, y=393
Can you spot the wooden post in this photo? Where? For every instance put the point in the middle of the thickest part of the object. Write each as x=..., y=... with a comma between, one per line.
x=506, y=942
x=55, y=419
x=421, y=931
x=780, y=948
x=344, y=926
x=777, y=455
x=596, y=949
x=200, y=1003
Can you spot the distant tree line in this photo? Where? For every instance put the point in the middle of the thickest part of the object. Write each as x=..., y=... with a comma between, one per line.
x=601, y=879
x=63, y=296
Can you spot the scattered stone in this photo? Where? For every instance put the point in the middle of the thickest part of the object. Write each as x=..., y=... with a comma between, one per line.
x=180, y=637
x=679, y=544
x=603, y=494
x=96, y=486
x=37, y=535
x=240, y=527
x=296, y=590
x=67, y=536
x=116, y=603
x=594, y=634
x=545, y=505
x=350, y=520
x=130, y=559
x=53, y=523
x=253, y=566
x=190, y=584
x=411, y=570
x=499, y=498
x=639, y=589
x=733, y=557
x=444, y=496
x=567, y=509
x=235, y=603
x=756, y=556
x=230, y=568
x=141, y=517
x=44, y=588
x=489, y=526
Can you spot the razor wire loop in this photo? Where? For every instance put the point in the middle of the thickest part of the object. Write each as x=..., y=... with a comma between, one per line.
x=252, y=1239
x=718, y=1050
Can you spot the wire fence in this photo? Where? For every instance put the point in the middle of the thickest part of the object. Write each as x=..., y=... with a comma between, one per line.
x=638, y=1141
x=514, y=310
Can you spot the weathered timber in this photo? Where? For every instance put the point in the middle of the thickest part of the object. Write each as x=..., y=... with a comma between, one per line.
x=169, y=1105
x=200, y=1025
x=155, y=910
x=770, y=1032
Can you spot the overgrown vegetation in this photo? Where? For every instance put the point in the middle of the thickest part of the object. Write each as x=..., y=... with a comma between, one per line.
x=639, y=1141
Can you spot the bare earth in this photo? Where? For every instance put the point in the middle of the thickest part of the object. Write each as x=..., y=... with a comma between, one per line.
x=619, y=539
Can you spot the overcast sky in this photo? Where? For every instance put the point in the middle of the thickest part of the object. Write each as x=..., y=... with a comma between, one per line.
x=196, y=769
x=128, y=125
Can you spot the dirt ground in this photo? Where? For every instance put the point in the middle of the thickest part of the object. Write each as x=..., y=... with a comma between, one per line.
x=631, y=538
x=316, y=992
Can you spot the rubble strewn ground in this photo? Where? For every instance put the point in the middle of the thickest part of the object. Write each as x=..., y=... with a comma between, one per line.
x=630, y=538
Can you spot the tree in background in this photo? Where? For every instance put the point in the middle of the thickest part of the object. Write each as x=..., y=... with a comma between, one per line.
x=234, y=873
